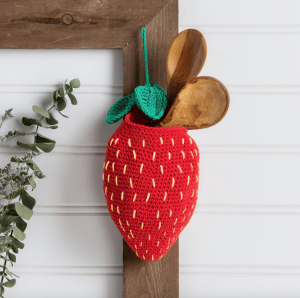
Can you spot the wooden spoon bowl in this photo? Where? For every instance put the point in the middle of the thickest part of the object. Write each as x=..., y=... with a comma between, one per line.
x=201, y=103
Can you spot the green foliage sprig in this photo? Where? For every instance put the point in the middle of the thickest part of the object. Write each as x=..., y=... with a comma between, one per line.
x=16, y=204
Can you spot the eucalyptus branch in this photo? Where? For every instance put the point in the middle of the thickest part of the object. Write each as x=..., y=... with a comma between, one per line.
x=14, y=181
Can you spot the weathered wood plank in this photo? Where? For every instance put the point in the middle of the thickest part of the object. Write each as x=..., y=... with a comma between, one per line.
x=159, y=279
x=70, y=24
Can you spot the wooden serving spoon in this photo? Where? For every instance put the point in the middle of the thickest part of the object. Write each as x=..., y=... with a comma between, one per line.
x=203, y=102
x=194, y=103
x=185, y=59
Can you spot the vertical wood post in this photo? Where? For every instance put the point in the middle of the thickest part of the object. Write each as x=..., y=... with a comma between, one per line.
x=158, y=279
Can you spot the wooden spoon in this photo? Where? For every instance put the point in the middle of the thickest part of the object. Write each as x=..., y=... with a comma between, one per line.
x=185, y=60
x=203, y=102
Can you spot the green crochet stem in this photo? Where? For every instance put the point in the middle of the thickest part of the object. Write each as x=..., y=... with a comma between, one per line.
x=151, y=99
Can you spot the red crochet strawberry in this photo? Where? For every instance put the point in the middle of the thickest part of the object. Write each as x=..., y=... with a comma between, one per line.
x=151, y=185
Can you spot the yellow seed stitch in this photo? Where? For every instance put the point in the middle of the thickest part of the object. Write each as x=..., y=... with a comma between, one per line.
x=108, y=178
x=173, y=239
x=131, y=185
x=165, y=196
x=123, y=230
x=118, y=209
x=182, y=141
x=181, y=195
x=184, y=210
x=128, y=236
x=183, y=219
x=148, y=196
x=193, y=206
x=116, y=141
x=157, y=243
x=191, y=141
x=169, y=240
x=105, y=190
x=169, y=154
x=149, y=237
x=199, y=165
x=103, y=176
x=113, y=166
x=142, y=225
x=153, y=182
x=165, y=233
x=170, y=213
x=127, y=223
x=134, y=154
x=196, y=152
x=141, y=168
x=181, y=228
x=183, y=154
x=122, y=196
x=134, y=198
x=160, y=252
x=152, y=258
x=172, y=141
x=173, y=182
x=134, y=212
x=192, y=154
x=153, y=158
x=188, y=180
x=124, y=170
x=157, y=215
x=173, y=230
x=143, y=143
x=193, y=193
x=107, y=165
x=117, y=180
x=161, y=169
x=168, y=247
x=131, y=234
x=141, y=244
x=192, y=167
x=137, y=254
x=196, y=178
x=120, y=222
x=135, y=246
x=144, y=257
x=111, y=141
x=112, y=196
x=180, y=170
x=146, y=251
x=161, y=140
x=175, y=221
x=112, y=207
x=129, y=143
x=159, y=225
x=118, y=153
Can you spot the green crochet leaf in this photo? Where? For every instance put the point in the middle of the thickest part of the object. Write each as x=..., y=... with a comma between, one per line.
x=151, y=100
x=120, y=108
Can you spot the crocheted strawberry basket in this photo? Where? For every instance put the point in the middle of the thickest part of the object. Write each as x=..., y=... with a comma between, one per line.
x=150, y=176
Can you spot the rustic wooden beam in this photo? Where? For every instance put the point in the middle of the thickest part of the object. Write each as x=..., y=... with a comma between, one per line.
x=159, y=279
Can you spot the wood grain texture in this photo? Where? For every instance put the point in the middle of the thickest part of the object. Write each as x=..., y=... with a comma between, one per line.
x=159, y=279
x=70, y=24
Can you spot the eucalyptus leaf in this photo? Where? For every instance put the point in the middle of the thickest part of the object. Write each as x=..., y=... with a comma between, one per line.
x=12, y=257
x=23, y=211
x=4, y=229
x=68, y=88
x=46, y=147
x=62, y=114
x=31, y=121
x=72, y=98
x=18, y=233
x=61, y=104
x=43, y=139
x=32, y=165
x=10, y=273
x=17, y=243
x=41, y=111
x=1, y=290
x=16, y=159
x=10, y=283
x=61, y=92
x=27, y=200
x=21, y=224
x=28, y=146
x=51, y=120
x=32, y=183
x=14, y=248
x=75, y=83
x=6, y=220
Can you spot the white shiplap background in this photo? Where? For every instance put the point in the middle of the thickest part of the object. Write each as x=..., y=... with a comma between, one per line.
x=243, y=240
